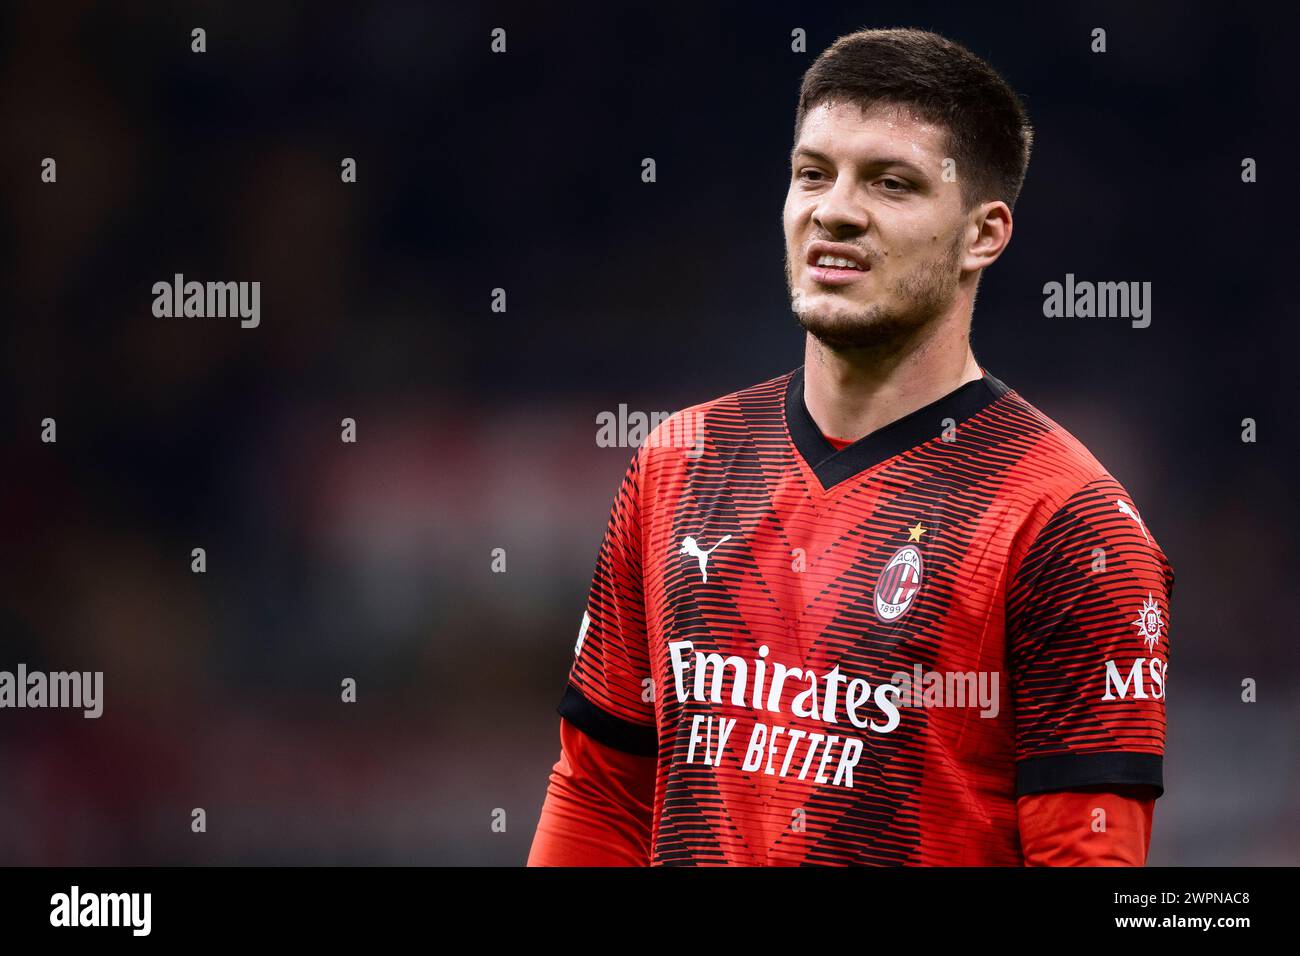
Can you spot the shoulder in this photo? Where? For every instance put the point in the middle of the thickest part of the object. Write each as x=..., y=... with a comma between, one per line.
x=1067, y=490
x=1052, y=460
x=685, y=434
x=770, y=392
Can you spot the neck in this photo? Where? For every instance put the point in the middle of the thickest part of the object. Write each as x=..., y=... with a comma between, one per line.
x=851, y=393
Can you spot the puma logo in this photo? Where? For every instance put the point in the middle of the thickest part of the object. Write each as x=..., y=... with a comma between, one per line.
x=691, y=546
x=1125, y=509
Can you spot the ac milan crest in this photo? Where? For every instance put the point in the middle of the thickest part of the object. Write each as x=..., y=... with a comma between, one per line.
x=898, y=583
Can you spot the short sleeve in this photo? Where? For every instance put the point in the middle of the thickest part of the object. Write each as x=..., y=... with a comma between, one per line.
x=608, y=695
x=1088, y=647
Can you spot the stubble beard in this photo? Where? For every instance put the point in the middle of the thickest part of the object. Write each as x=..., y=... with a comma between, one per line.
x=916, y=300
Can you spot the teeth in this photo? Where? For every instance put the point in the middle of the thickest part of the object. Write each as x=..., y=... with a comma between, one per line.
x=838, y=262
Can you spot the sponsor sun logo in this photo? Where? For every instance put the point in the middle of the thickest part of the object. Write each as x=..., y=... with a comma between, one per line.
x=1149, y=623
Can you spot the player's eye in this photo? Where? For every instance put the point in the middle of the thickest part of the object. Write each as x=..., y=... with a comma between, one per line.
x=892, y=185
x=808, y=171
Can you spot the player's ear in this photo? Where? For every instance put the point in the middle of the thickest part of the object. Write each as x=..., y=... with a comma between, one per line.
x=989, y=231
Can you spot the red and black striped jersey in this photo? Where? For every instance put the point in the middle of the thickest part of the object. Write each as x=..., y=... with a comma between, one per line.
x=865, y=655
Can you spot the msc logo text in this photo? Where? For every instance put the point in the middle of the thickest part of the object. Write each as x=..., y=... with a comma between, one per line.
x=1119, y=685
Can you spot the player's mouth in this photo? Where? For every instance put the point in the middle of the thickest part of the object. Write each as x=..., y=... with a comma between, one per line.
x=834, y=263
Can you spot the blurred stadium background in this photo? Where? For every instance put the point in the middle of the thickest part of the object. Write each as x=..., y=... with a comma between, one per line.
x=477, y=429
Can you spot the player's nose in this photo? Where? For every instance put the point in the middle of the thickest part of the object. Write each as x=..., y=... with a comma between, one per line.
x=839, y=213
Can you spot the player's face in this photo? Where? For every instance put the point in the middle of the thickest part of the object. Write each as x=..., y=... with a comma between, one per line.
x=871, y=185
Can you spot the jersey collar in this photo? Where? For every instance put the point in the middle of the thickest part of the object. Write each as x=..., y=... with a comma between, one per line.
x=832, y=467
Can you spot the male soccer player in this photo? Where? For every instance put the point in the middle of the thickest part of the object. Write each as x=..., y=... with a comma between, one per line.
x=892, y=613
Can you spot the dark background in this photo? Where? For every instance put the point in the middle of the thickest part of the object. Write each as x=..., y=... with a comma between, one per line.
x=477, y=429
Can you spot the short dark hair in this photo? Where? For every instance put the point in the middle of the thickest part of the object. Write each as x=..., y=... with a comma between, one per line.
x=941, y=82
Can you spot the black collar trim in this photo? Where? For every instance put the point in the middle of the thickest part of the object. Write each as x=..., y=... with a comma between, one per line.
x=832, y=467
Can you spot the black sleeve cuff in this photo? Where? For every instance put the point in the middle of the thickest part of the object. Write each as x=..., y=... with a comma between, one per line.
x=605, y=728
x=1069, y=771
